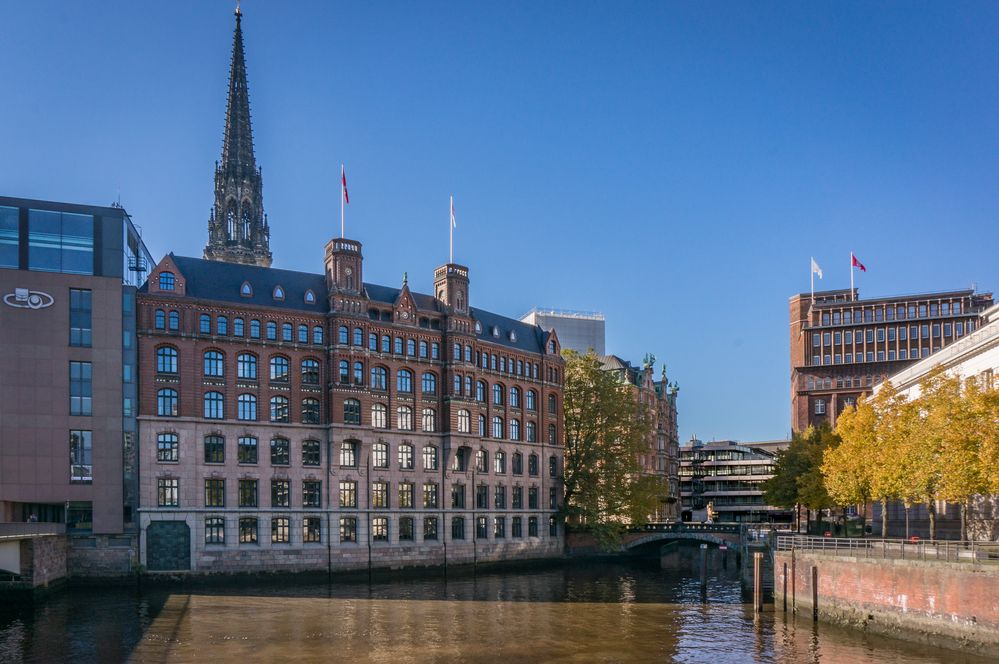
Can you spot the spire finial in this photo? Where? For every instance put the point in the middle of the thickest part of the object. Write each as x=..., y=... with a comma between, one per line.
x=405, y=278
x=239, y=12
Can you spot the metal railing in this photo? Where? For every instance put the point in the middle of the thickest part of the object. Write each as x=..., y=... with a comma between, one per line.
x=977, y=552
x=681, y=527
x=20, y=530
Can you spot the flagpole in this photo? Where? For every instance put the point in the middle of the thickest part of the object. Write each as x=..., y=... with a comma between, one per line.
x=853, y=296
x=343, y=174
x=450, y=230
x=811, y=270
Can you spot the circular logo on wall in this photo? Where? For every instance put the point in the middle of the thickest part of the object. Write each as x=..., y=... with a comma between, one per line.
x=22, y=298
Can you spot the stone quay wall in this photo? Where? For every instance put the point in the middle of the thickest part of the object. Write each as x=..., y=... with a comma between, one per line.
x=43, y=560
x=947, y=604
x=102, y=556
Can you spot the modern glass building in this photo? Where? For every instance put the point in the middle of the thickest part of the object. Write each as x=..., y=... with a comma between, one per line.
x=68, y=391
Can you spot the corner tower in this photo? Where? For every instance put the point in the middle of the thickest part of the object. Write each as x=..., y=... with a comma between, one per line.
x=237, y=228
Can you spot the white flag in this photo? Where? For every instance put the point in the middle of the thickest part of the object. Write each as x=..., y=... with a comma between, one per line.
x=816, y=269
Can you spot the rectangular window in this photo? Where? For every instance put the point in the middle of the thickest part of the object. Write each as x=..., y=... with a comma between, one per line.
x=167, y=492
x=81, y=457
x=80, y=317
x=517, y=527
x=406, y=528
x=167, y=448
x=552, y=498
x=348, y=529
x=518, y=497
x=532, y=498
x=532, y=526
x=481, y=528
x=9, y=234
x=214, y=449
x=311, y=453
x=248, y=493
x=405, y=494
x=214, y=492
x=312, y=530
x=482, y=497
x=348, y=493
x=379, y=529
x=280, y=493
x=280, y=530
x=312, y=493
x=458, y=496
x=380, y=494
x=80, y=388
x=280, y=452
x=248, y=530
x=430, y=495
x=430, y=528
x=60, y=242
x=247, y=450
x=214, y=530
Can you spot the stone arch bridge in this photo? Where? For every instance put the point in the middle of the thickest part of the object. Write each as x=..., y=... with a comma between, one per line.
x=727, y=534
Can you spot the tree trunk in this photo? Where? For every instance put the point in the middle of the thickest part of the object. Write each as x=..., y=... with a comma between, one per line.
x=964, y=519
x=884, y=518
x=931, y=510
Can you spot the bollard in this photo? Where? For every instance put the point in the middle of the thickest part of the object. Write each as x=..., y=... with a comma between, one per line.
x=794, y=584
x=757, y=582
x=815, y=592
x=704, y=566
x=785, y=587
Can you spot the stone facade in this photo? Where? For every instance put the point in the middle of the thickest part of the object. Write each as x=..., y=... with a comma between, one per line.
x=43, y=560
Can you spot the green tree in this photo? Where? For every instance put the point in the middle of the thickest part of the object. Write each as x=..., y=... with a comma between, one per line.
x=797, y=479
x=606, y=430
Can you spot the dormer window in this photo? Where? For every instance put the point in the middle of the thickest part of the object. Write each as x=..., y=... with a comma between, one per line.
x=551, y=347
x=478, y=327
x=167, y=281
x=513, y=335
x=246, y=290
x=278, y=293
x=496, y=331
x=310, y=297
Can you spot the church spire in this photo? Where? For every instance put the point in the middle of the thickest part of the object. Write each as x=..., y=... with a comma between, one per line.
x=237, y=228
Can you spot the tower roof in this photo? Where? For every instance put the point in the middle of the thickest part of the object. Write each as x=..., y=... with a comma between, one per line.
x=237, y=144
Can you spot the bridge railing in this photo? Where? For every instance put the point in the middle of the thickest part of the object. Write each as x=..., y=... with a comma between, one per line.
x=19, y=530
x=912, y=549
x=680, y=527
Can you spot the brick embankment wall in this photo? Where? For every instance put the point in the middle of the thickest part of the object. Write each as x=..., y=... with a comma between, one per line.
x=101, y=556
x=954, y=605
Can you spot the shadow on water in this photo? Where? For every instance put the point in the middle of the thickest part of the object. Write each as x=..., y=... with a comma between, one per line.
x=588, y=610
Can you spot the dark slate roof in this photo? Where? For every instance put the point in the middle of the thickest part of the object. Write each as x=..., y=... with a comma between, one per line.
x=217, y=280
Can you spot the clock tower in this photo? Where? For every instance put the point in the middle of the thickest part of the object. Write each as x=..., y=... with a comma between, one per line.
x=344, y=275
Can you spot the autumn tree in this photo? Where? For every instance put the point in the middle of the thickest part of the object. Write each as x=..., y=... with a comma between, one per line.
x=797, y=480
x=606, y=431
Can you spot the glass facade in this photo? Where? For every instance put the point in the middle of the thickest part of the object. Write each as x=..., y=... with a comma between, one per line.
x=60, y=242
x=9, y=237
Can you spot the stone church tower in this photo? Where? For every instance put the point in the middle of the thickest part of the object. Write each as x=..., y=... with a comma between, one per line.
x=237, y=229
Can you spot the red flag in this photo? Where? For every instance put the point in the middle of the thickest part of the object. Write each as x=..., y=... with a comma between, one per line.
x=343, y=179
x=857, y=263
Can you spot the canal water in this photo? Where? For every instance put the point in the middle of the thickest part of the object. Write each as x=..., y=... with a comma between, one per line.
x=577, y=612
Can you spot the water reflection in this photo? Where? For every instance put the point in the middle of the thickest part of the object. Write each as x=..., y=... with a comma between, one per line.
x=594, y=612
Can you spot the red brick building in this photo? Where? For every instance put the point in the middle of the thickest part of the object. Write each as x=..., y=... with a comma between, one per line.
x=311, y=421
x=842, y=346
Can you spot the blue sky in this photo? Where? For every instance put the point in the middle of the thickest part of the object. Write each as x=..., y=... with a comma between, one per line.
x=672, y=165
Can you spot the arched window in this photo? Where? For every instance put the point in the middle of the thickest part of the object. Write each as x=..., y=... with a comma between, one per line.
x=166, y=403
x=552, y=466
x=213, y=364
x=279, y=369
x=480, y=390
x=404, y=381
x=552, y=404
x=310, y=411
x=310, y=297
x=246, y=290
x=464, y=421
x=358, y=373
x=343, y=371
x=457, y=385
x=237, y=327
x=254, y=329
x=482, y=464
x=532, y=465
x=279, y=409
x=213, y=405
x=386, y=344
x=532, y=400
x=499, y=465
x=424, y=351
x=468, y=386
x=372, y=341
x=532, y=432
x=517, y=464
x=552, y=435
x=429, y=420
x=166, y=360
x=317, y=334
x=246, y=407
x=482, y=426
x=404, y=418
x=310, y=372
x=379, y=416
x=204, y=324
x=429, y=383
x=514, y=429
x=379, y=378
x=411, y=347
x=278, y=293
x=515, y=397
x=497, y=394
x=303, y=334
x=358, y=336
x=405, y=455
x=551, y=347
x=342, y=335
x=271, y=331
x=429, y=458
x=167, y=281
x=221, y=326
x=497, y=427
x=245, y=223
x=351, y=411
x=246, y=366
x=435, y=350
x=159, y=319
x=286, y=332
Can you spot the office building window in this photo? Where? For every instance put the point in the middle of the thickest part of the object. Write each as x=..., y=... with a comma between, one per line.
x=406, y=491
x=167, y=492
x=214, y=530
x=312, y=530
x=81, y=449
x=80, y=388
x=80, y=313
x=429, y=458
x=430, y=528
x=380, y=495
x=348, y=529
x=246, y=451
x=311, y=455
x=348, y=494
x=280, y=530
x=310, y=411
x=246, y=407
x=458, y=528
x=516, y=527
x=532, y=526
x=348, y=454
x=213, y=364
x=279, y=409
x=280, y=452
x=167, y=448
x=214, y=406
x=247, y=493
x=430, y=495
x=214, y=492
x=246, y=366
x=248, y=530
x=405, y=528
x=406, y=456
x=280, y=493
x=214, y=449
